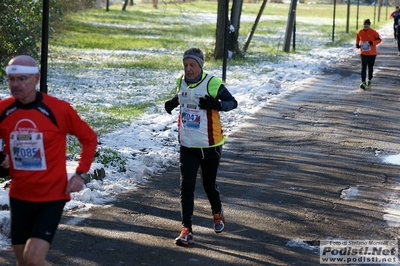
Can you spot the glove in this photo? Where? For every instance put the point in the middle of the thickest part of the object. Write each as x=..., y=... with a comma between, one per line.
x=4, y=165
x=208, y=103
x=357, y=46
x=170, y=105
x=370, y=43
x=2, y=157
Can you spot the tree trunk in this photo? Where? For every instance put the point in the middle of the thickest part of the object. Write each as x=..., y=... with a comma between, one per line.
x=124, y=6
x=236, y=12
x=220, y=32
x=253, y=28
x=290, y=25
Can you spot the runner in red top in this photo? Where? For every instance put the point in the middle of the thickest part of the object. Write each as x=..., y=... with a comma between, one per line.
x=395, y=16
x=366, y=40
x=34, y=127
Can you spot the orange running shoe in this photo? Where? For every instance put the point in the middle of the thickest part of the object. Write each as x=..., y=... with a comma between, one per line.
x=219, y=222
x=185, y=238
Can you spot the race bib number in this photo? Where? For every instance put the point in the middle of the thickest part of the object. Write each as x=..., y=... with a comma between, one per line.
x=365, y=46
x=191, y=118
x=27, y=149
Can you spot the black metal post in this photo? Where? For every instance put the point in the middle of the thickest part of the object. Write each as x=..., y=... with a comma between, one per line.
x=226, y=26
x=358, y=11
x=294, y=33
x=45, y=46
x=334, y=18
x=348, y=16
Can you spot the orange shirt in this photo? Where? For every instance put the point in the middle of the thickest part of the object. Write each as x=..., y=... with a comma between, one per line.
x=362, y=39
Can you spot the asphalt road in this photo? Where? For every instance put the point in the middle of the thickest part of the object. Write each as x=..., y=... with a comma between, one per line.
x=283, y=179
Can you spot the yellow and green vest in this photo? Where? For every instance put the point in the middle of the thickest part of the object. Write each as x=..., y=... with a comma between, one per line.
x=198, y=128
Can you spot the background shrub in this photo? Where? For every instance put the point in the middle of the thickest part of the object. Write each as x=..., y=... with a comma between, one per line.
x=21, y=25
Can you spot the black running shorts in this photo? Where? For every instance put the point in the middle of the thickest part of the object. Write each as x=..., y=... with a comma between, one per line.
x=34, y=219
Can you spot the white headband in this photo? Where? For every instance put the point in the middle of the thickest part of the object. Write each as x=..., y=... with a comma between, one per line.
x=18, y=69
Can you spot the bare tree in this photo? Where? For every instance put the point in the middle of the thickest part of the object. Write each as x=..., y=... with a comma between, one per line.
x=233, y=44
x=223, y=6
x=125, y=4
x=232, y=26
x=253, y=28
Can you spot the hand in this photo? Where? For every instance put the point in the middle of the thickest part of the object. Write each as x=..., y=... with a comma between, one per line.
x=370, y=43
x=208, y=103
x=170, y=105
x=357, y=46
x=75, y=184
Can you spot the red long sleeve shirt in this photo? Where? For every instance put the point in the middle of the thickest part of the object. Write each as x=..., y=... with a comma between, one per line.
x=35, y=137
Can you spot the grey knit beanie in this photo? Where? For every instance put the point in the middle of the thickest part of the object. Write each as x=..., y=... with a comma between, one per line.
x=196, y=54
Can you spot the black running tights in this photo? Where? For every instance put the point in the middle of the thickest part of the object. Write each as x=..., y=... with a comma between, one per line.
x=367, y=61
x=190, y=161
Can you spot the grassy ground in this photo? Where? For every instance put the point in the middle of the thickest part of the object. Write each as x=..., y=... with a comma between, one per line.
x=172, y=26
